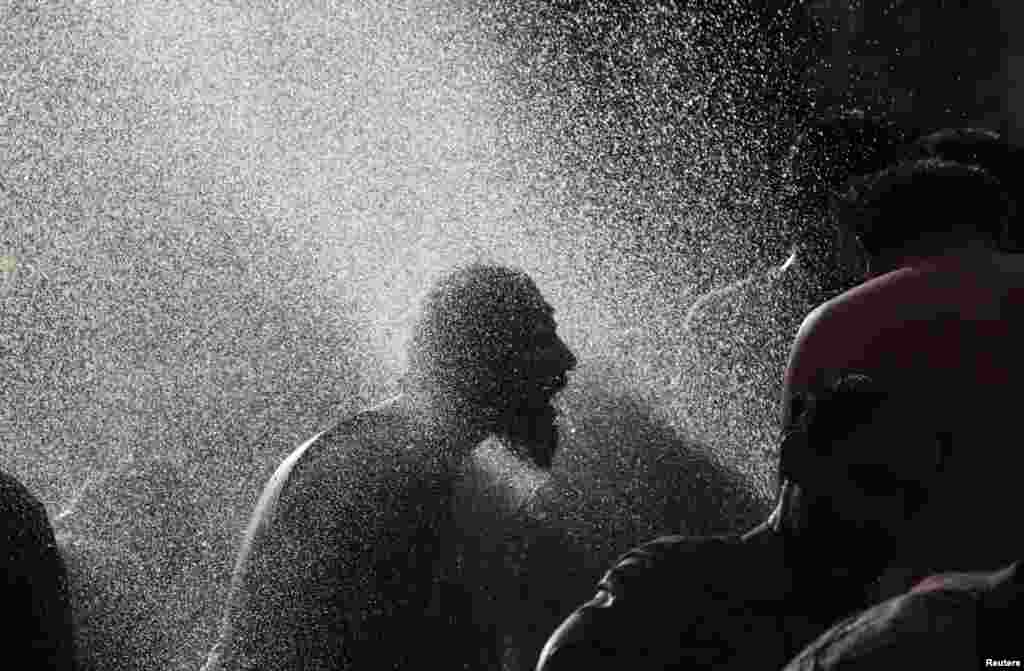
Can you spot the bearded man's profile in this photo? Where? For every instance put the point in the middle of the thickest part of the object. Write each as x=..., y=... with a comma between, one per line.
x=339, y=567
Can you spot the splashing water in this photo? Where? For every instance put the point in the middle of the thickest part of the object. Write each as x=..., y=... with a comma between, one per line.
x=222, y=217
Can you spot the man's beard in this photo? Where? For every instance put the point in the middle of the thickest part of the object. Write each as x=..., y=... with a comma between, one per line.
x=534, y=431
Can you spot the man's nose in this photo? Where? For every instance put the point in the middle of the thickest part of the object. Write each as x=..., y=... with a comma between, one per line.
x=568, y=357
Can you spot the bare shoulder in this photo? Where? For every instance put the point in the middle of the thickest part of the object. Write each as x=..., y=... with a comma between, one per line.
x=893, y=634
x=670, y=599
x=819, y=338
x=673, y=564
x=345, y=466
x=365, y=441
x=819, y=318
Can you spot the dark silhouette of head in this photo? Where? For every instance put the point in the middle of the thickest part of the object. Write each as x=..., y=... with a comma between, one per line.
x=856, y=467
x=833, y=148
x=486, y=351
x=923, y=207
x=988, y=150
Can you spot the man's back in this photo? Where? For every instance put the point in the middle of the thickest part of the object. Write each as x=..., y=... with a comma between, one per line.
x=337, y=569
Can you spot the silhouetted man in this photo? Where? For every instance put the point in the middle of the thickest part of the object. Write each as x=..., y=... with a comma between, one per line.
x=38, y=630
x=754, y=600
x=339, y=568
x=940, y=322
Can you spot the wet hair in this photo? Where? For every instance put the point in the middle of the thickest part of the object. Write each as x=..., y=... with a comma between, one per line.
x=900, y=207
x=472, y=323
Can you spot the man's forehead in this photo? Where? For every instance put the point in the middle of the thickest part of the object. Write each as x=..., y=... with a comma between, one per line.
x=539, y=316
x=530, y=301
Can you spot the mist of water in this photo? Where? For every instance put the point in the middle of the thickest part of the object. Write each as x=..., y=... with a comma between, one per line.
x=218, y=218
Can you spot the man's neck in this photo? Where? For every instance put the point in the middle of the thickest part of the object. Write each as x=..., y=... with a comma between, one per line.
x=451, y=432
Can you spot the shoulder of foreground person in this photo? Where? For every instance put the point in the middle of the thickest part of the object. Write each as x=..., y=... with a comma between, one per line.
x=951, y=621
x=672, y=600
x=36, y=591
x=661, y=560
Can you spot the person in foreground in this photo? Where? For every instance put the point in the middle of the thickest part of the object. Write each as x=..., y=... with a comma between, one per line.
x=926, y=226
x=39, y=631
x=968, y=620
x=940, y=320
x=339, y=566
x=755, y=600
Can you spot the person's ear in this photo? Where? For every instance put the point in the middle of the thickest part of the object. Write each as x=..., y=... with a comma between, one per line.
x=793, y=456
x=789, y=514
x=796, y=509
